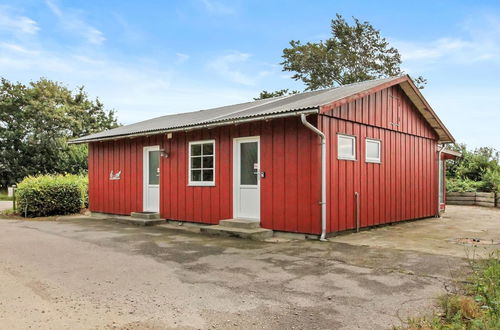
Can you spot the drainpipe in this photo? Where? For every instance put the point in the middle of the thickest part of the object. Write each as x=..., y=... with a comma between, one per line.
x=438, y=215
x=303, y=118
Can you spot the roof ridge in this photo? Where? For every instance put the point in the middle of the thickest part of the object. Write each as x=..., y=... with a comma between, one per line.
x=269, y=100
x=275, y=98
x=359, y=82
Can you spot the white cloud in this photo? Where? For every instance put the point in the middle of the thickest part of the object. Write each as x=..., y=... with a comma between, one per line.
x=238, y=67
x=72, y=21
x=138, y=90
x=17, y=48
x=479, y=42
x=181, y=57
x=224, y=66
x=432, y=50
x=217, y=8
x=15, y=23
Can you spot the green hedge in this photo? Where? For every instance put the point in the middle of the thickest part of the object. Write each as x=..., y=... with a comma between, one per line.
x=463, y=185
x=47, y=195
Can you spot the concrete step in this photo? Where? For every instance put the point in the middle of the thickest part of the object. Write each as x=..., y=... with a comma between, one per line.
x=258, y=234
x=240, y=223
x=145, y=215
x=137, y=221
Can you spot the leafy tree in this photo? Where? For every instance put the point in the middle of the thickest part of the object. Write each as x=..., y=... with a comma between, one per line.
x=473, y=164
x=352, y=54
x=36, y=121
x=481, y=166
x=281, y=92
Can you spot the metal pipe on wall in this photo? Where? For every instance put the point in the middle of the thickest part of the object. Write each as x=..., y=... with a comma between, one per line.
x=356, y=195
x=303, y=118
x=438, y=213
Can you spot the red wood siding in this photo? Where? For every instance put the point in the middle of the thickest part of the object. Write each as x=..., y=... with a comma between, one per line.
x=290, y=192
x=404, y=185
x=117, y=196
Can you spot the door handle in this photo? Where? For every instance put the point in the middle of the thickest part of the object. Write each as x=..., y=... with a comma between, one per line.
x=261, y=174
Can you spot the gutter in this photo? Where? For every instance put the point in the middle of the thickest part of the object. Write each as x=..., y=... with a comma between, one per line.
x=440, y=152
x=303, y=118
x=189, y=128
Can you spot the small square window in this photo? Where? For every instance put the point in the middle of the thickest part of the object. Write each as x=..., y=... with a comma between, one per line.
x=202, y=163
x=346, y=147
x=373, y=151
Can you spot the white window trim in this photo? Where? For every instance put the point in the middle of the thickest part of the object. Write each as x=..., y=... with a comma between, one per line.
x=352, y=137
x=200, y=183
x=370, y=159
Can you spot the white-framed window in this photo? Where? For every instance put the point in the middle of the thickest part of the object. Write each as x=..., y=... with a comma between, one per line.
x=202, y=163
x=373, y=151
x=346, y=147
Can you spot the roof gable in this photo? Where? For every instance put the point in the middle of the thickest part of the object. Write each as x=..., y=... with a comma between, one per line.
x=415, y=97
x=389, y=108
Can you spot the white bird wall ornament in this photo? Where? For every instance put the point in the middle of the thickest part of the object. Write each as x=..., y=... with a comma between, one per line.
x=115, y=176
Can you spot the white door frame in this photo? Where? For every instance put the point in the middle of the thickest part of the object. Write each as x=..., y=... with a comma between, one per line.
x=145, y=176
x=236, y=173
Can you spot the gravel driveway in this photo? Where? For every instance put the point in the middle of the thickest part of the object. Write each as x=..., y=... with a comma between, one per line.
x=88, y=274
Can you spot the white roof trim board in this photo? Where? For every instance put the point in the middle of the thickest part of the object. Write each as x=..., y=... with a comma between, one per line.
x=308, y=102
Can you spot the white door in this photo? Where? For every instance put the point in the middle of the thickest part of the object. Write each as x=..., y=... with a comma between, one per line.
x=151, y=168
x=246, y=177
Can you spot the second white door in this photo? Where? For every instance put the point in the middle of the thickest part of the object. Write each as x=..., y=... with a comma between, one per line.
x=151, y=180
x=246, y=177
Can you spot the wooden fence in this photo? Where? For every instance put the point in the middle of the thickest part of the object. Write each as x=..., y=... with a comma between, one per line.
x=473, y=198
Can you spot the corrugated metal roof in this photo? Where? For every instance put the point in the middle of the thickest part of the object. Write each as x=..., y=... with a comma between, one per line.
x=244, y=111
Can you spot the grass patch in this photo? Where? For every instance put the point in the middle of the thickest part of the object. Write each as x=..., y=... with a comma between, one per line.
x=4, y=196
x=475, y=306
x=8, y=212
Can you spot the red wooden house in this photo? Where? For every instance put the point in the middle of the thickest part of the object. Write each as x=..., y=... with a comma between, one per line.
x=317, y=162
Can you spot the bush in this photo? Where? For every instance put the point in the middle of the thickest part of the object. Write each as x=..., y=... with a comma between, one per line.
x=475, y=170
x=491, y=179
x=83, y=183
x=47, y=195
x=463, y=185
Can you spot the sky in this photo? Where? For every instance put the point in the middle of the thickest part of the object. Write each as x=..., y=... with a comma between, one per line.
x=150, y=58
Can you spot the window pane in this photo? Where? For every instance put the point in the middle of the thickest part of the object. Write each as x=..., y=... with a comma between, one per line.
x=195, y=162
x=248, y=159
x=208, y=149
x=346, y=147
x=208, y=162
x=372, y=150
x=195, y=149
x=195, y=175
x=208, y=175
x=154, y=167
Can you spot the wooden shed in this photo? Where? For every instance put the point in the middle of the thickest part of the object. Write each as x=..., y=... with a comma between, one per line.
x=316, y=162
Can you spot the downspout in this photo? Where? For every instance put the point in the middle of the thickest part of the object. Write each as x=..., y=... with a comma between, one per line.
x=303, y=118
x=438, y=215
